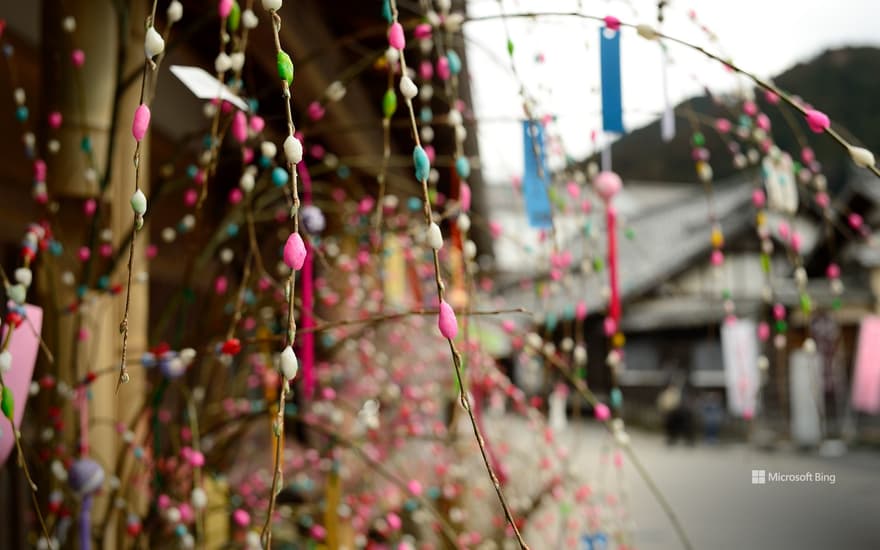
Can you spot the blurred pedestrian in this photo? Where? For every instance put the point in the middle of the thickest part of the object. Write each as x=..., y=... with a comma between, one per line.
x=678, y=418
x=712, y=413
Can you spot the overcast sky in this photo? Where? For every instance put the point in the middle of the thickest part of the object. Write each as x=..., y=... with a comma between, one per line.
x=763, y=36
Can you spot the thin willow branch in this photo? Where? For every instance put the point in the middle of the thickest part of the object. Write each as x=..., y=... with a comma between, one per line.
x=456, y=358
x=138, y=218
x=278, y=424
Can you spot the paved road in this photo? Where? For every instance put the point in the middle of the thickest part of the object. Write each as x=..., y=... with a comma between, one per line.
x=712, y=491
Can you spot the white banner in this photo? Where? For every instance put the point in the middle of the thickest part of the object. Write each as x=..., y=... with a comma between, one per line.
x=805, y=387
x=739, y=345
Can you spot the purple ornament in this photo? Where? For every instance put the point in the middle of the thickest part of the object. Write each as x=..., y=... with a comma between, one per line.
x=313, y=219
x=85, y=478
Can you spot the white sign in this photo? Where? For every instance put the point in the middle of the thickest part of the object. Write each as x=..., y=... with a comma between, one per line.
x=739, y=345
x=205, y=86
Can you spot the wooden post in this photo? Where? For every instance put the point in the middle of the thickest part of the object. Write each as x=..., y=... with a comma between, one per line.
x=89, y=340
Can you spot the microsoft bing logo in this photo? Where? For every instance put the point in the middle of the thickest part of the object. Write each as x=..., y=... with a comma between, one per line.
x=759, y=477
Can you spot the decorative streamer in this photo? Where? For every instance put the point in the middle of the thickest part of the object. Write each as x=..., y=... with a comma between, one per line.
x=866, y=380
x=535, y=196
x=607, y=185
x=611, y=229
x=739, y=347
x=612, y=103
x=667, y=122
x=308, y=299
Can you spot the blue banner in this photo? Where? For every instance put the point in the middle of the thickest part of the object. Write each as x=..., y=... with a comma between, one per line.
x=537, y=201
x=612, y=104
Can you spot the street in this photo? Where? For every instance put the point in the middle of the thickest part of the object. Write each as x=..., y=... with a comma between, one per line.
x=711, y=490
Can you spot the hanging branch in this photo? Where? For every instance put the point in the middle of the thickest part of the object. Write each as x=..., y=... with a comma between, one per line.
x=154, y=44
x=447, y=319
x=294, y=257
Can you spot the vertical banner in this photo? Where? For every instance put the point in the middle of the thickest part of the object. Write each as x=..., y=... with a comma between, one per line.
x=612, y=104
x=866, y=379
x=805, y=381
x=667, y=122
x=23, y=345
x=739, y=346
x=535, y=181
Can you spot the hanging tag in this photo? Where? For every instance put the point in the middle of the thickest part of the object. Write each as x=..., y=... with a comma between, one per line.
x=535, y=185
x=612, y=103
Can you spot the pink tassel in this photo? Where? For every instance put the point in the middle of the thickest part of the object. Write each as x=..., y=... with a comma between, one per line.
x=602, y=412
x=307, y=340
x=141, y=122
x=447, y=323
x=294, y=252
x=614, y=300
